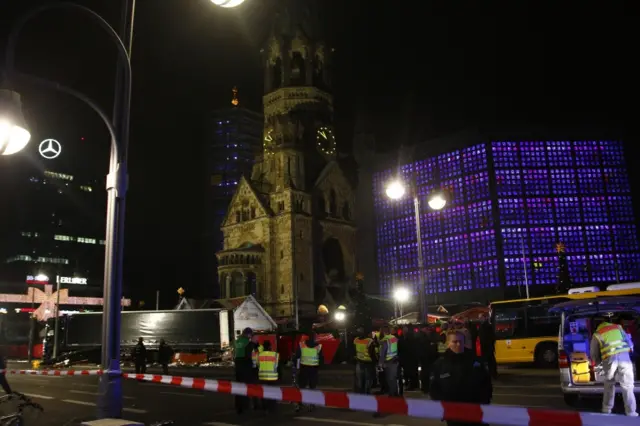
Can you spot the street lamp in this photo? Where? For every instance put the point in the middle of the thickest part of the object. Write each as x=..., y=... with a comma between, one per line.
x=14, y=137
x=401, y=295
x=13, y=133
x=341, y=313
x=437, y=201
x=227, y=3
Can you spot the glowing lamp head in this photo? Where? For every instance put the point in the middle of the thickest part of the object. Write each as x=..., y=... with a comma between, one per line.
x=227, y=3
x=395, y=190
x=401, y=295
x=437, y=201
x=340, y=316
x=14, y=135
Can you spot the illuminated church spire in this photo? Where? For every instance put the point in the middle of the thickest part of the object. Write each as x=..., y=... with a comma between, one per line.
x=234, y=99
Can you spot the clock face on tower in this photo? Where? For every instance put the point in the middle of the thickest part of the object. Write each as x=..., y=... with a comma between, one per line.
x=326, y=141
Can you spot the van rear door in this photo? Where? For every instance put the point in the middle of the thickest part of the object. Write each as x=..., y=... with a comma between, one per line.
x=577, y=328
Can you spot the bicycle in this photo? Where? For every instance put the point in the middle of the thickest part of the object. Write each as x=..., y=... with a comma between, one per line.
x=15, y=419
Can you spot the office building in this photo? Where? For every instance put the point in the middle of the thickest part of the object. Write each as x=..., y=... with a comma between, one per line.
x=511, y=205
x=234, y=138
x=54, y=226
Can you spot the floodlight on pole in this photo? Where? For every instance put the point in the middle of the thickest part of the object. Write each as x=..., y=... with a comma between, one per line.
x=227, y=3
x=14, y=135
x=437, y=201
x=401, y=295
x=395, y=190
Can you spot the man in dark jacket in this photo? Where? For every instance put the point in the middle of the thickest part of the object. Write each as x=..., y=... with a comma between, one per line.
x=488, y=347
x=428, y=355
x=460, y=376
x=140, y=357
x=165, y=353
x=243, y=349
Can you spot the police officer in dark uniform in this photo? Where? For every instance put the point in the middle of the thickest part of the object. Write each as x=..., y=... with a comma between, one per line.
x=140, y=357
x=460, y=376
x=243, y=350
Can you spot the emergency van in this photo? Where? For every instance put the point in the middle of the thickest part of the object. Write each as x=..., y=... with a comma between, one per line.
x=580, y=377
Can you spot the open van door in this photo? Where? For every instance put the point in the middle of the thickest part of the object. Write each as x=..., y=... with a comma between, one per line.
x=579, y=375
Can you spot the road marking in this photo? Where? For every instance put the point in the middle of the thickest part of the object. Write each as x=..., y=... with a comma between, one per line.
x=134, y=410
x=340, y=422
x=200, y=395
x=93, y=404
x=94, y=393
x=74, y=401
x=35, y=395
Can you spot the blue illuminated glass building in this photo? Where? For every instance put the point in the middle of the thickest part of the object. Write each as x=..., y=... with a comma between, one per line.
x=510, y=203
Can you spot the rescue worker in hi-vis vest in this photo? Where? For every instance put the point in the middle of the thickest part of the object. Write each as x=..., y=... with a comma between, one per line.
x=268, y=361
x=611, y=345
x=308, y=359
x=365, y=361
x=388, y=361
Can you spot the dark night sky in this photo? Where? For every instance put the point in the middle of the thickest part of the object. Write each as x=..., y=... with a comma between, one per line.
x=413, y=70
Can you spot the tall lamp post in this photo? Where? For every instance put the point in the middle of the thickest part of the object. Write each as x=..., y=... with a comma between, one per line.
x=401, y=296
x=14, y=136
x=436, y=201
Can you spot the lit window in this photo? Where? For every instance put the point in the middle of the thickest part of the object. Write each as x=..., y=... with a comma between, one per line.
x=86, y=240
x=86, y=188
x=63, y=238
x=55, y=175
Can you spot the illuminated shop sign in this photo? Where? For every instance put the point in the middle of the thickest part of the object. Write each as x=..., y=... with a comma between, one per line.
x=37, y=279
x=72, y=280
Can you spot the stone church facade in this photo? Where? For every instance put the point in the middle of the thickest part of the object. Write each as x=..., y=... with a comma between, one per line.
x=289, y=232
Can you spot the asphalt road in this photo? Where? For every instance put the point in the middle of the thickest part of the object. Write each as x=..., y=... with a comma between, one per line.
x=67, y=398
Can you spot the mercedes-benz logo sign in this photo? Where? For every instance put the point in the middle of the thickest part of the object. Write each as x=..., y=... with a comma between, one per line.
x=50, y=149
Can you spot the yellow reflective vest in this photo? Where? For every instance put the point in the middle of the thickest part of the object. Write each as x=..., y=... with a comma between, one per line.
x=612, y=339
x=310, y=356
x=268, y=365
x=392, y=347
x=362, y=349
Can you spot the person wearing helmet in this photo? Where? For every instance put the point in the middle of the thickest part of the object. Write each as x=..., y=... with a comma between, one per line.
x=610, y=345
x=243, y=349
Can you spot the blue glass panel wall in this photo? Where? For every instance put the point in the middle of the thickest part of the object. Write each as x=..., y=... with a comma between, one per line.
x=543, y=193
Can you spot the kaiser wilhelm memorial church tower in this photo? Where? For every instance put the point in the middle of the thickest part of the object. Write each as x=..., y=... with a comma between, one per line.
x=289, y=232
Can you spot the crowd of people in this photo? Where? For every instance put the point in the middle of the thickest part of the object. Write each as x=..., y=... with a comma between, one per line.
x=451, y=363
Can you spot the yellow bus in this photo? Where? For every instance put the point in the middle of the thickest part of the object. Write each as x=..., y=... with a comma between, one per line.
x=526, y=332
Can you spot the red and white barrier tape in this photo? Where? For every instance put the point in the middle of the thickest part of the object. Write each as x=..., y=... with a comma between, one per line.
x=54, y=372
x=473, y=413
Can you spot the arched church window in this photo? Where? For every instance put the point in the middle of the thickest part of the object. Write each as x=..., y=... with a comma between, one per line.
x=253, y=212
x=277, y=74
x=346, y=211
x=238, y=217
x=298, y=71
x=333, y=204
